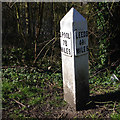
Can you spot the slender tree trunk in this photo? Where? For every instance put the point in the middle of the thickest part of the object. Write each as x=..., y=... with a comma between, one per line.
x=41, y=8
x=66, y=6
x=18, y=17
x=28, y=10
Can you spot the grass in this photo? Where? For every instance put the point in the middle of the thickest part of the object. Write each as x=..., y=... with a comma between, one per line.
x=27, y=88
x=28, y=93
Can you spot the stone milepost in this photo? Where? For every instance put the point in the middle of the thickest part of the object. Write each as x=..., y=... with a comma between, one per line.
x=74, y=53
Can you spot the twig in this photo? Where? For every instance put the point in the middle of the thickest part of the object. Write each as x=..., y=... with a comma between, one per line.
x=98, y=72
x=110, y=10
x=19, y=103
x=45, y=53
x=113, y=64
x=13, y=4
x=56, y=71
x=114, y=107
x=89, y=103
x=104, y=102
x=97, y=12
x=91, y=32
x=60, y=116
x=42, y=50
x=43, y=43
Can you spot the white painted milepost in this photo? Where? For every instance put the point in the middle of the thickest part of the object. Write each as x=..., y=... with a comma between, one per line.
x=74, y=53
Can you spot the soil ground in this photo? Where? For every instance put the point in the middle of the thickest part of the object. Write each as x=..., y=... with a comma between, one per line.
x=101, y=105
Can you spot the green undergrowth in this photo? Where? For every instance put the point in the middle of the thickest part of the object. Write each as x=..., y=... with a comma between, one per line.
x=104, y=79
x=25, y=89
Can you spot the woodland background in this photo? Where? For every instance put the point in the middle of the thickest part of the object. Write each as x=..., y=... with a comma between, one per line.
x=31, y=32
x=31, y=49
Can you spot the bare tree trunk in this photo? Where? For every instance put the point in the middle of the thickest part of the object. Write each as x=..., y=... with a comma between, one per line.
x=41, y=8
x=29, y=19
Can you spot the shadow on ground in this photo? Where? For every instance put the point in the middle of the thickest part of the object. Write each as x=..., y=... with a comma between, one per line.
x=102, y=99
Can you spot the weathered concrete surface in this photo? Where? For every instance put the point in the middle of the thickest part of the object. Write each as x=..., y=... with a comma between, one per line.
x=74, y=62
x=81, y=81
x=68, y=79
